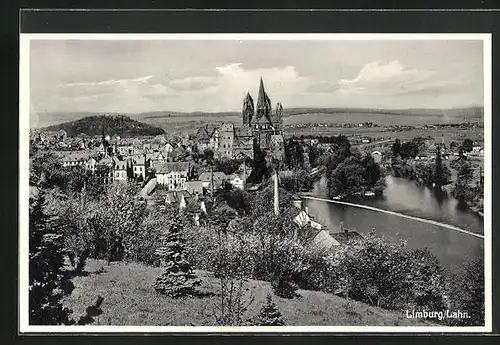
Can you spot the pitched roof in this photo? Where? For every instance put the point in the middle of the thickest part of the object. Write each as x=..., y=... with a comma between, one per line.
x=120, y=165
x=76, y=156
x=166, y=167
x=243, y=132
x=217, y=175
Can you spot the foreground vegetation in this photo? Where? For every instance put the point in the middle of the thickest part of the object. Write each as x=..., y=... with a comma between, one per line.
x=130, y=300
x=238, y=243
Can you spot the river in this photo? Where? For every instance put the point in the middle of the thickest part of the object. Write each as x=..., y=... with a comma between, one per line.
x=451, y=247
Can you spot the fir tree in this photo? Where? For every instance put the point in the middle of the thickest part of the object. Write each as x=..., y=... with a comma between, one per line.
x=269, y=314
x=178, y=279
x=47, y=281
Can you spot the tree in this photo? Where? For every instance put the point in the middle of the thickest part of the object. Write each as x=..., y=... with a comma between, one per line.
x=294, y=154
x=396, y=148
x=178, y=278
x=347, y=179
x=269, y=314
x=47, y=280
x=232, y=267
x=461, y=189
x=441, y=172
x=467, y=145
x=372, y=171
x=332, y=161
x=409, y=149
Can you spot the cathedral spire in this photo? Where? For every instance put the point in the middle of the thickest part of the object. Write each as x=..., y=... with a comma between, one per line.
x=248, y=109
x=263, y=105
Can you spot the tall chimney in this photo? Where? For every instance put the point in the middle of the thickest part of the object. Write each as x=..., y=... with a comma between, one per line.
x=276, y=193
x=212, y=181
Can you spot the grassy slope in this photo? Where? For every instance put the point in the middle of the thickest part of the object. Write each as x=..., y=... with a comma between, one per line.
x=129, y=299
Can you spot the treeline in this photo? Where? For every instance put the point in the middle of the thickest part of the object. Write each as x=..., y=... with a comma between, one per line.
x=436, y=173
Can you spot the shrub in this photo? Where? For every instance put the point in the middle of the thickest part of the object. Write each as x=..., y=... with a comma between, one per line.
x=466, y=290
x=269, y=314
x=387, y=275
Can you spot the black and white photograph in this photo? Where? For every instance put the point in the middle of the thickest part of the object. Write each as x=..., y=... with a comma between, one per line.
x=255, y=183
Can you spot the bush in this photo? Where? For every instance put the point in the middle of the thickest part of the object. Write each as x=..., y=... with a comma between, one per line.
x=387, y=275
x=466, y=290
x=269, y=314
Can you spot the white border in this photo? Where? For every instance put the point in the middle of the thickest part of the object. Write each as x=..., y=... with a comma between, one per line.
x=24, y=107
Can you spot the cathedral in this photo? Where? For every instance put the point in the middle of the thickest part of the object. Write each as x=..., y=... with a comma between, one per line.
x=266, y=125
x=261, y=127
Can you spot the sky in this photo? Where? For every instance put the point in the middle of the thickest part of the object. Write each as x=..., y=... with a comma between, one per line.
x=133, y=76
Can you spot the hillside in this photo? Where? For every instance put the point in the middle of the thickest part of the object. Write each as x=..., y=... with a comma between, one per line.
x=110, y=124
x=129, y=299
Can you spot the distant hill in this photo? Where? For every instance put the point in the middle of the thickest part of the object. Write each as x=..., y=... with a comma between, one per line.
x=121, y=125
x=181, y=121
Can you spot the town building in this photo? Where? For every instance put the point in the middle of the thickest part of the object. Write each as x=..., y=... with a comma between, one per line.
x=173, y=174
x=120, y=170
x=236, y=181
x=377, y=156
x=194, y=187
x=217, y=177
x=75, y=159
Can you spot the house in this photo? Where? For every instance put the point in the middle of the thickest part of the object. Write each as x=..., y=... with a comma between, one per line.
x=365, y=141
x=203, y=136
x=173, y=175
x=377, y=156
x=194, y=187
x=120, y=170
x=226, y=140
x=218, y=178
x=476, y=149
x=91, y=164
x=125, y=149
x=139, y=165
x=75, y=159
x=236, y=181
x=167, y=148
x=312, y=233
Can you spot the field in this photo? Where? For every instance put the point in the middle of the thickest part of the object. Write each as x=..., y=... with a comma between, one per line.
x=129, y=299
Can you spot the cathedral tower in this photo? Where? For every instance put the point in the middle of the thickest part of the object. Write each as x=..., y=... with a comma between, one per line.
x=248, y=110
x=263, y=113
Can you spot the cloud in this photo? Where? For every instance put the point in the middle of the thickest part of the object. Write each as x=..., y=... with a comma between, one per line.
x=376, y=84
x=110, y=82
x=224, y=90
x=385, y=78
